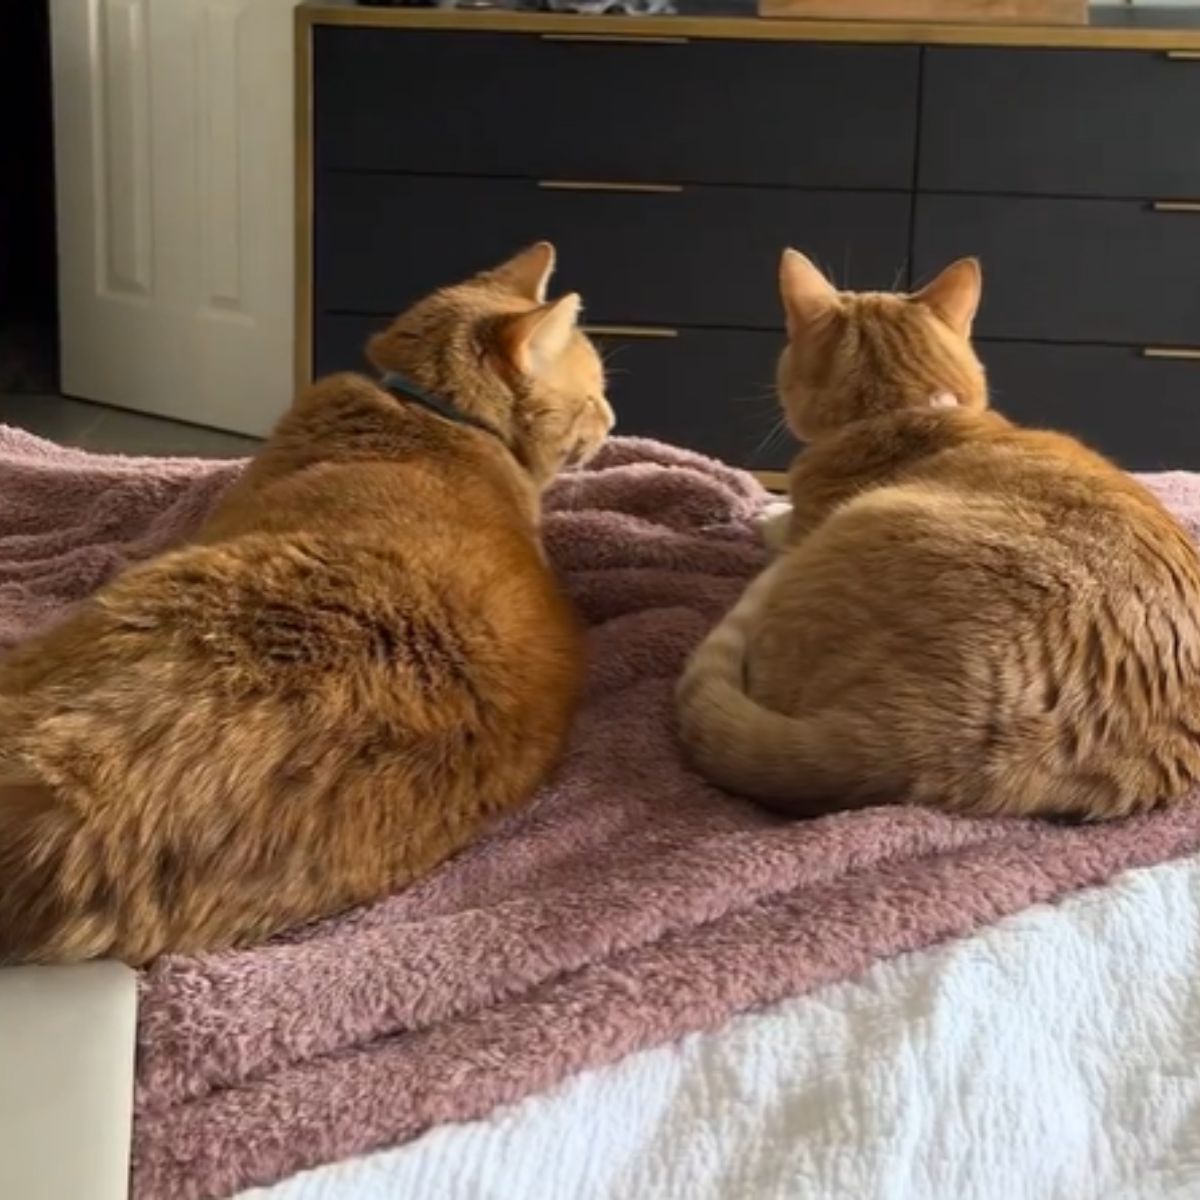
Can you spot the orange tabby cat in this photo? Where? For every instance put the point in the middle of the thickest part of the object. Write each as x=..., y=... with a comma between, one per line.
x=360, y=661
x=964, y=614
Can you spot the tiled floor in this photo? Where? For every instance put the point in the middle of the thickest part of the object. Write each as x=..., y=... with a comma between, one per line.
x=113, y=431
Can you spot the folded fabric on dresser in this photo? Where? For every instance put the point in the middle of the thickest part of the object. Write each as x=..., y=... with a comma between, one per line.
x=629, y=905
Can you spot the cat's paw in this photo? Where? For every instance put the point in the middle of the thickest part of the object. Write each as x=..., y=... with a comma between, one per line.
x=773, y=523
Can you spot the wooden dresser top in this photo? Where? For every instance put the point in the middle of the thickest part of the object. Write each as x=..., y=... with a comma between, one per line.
x=1167, y=29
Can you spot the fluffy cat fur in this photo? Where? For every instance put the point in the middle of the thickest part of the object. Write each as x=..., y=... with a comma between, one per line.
x=963, y=613
x=359, y=662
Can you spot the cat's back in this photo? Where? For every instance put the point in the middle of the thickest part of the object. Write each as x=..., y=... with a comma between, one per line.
x=398, y=572
x=1059, y=503
x=1000, y=535
x=420, y=502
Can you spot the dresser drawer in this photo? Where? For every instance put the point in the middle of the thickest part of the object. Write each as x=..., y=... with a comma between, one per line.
x=712, y=390
x=1071, y=122
x=1144, y=413
x=339, y=341
x=1070, y=270
x=701, y=111
x=708, y=389
x=700, y=256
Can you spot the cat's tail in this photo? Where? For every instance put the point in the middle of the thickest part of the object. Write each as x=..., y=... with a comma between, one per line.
x=784, y=762
x=51, y=902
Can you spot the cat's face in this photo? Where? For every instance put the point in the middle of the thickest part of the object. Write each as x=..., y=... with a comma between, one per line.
x=496, y=348
x=852, y=355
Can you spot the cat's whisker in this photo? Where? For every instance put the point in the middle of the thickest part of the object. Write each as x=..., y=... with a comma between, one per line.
x=763, y=391
x=608, y=350
x=761, y=400
x=766, y=442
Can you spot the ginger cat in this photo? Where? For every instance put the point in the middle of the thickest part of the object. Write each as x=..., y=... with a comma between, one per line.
x=964, y=614
x=360, y=661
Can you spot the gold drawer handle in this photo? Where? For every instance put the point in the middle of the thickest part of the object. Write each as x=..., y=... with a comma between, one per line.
x=1176, y=206
x=604, y=185
x=613, y=39
x=630, y=331
x=1190, y=354
x=1184, y=55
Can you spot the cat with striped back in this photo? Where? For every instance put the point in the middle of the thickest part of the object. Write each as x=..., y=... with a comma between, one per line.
x=962, y=613
x=359, y=662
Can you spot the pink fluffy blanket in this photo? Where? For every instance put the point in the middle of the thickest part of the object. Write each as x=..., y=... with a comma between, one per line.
x=630, y=904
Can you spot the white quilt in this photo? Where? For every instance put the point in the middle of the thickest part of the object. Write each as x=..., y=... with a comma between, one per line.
x=1056, y=1056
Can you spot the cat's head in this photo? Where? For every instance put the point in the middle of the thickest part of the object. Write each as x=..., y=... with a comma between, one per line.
x=853, y=355
x=495, y=348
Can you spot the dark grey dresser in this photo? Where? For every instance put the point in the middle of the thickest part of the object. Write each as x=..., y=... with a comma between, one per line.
x=670, y=160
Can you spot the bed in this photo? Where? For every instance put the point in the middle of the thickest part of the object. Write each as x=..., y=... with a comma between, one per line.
x=1053, y=1055
x=641, y=986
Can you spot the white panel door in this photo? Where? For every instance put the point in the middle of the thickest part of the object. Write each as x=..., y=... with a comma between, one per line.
x=174, y=149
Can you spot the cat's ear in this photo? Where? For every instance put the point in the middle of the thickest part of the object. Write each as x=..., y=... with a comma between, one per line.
x=807, y=295
x=954, y=294
x=534, y=341
x=528, y=273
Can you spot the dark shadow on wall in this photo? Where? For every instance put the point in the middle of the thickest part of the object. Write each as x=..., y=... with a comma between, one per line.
x=28, y=259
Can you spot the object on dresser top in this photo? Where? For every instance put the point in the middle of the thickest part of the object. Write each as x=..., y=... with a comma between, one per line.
x=624, y=8
x=628, y=8
x=990, y=12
